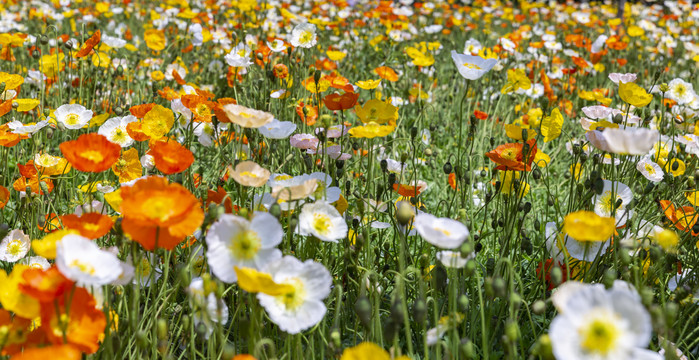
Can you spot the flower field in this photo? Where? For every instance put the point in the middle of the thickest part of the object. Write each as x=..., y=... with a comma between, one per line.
x=349, y=179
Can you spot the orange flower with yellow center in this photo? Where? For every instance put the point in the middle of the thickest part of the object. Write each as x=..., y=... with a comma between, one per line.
x=91, y=153
x=159, y=214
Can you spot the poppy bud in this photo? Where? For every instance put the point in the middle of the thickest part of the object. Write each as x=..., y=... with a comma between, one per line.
x=384, y=165
x=439, y=276
x=44, y=39
x=556, y=275
x=466, y=249
x=397, y=312
x=391, y=179
x=599, y=186
x=512, y=331
x=419, y=310
x=162, y=329
x=470, y=267
x=413, y=132
x=499, y=287
x=336, y=338
x=463, y=302
x=539, y=307
x=492, y=141
x=363, y=309
x=478, y=247
x=4, y=230
x=490, y=266
x=467, y=349
x=447, y=168
x=275, y=210
x=316, y=76
x=618, y=118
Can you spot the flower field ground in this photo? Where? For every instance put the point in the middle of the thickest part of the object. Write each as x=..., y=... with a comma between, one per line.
x=346, y=179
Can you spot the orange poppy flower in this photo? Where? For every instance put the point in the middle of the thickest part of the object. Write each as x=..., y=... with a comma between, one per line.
x=5, y=107
x=90, y=225
x=452, y=180
x=79, y=321
x=91, y=152
x=140, y=111
x=682, y=218
x=158, y=213
x=480, y=115
x=45, y=285
x=340, y=102
x=62, y=352
x=407, y=190
x=202, y=109
x=8, y=138
x=4, y=196
x=89, y=44
x=170, y=157
x=386, y=73
x=51, y=223
x=218, y=109
x=510, y=156
x=135, y=131
x=309, y=115
x=33, y=184
x=27, y=170
x=217, y=197
x=280, y=71
x=16, y=327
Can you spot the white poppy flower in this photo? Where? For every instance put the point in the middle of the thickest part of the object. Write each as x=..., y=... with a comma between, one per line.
x=14, y=246
x=323, y=221
x=303, y=307
x=36, y=262
x=604, y=203
x=444, y=233
x=207, y=309
x=73, y=116
x=277, y=129
x=629, y=141
x=81, y=260
x=596, y=323
x=304, y=35
x=650, y=170
x=472, y=67
x=114, y=130
x=235, y=241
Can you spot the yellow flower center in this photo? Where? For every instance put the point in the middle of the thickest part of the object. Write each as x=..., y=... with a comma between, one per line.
x=509, y=154
x=306, y=37
x=245, y=245
x=680, y=90
x=443, y=231
x=119, y=136
x=248, y=174
x=83, y=267
x=321, y=223
x=606, y=202
x=14, y=248
x=295, y=297
x=158, y=208
x=599, y=336
x=72, y=119
x=472, y=66
x=92, y=155
x=91, y=227
x=649, y=168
